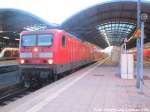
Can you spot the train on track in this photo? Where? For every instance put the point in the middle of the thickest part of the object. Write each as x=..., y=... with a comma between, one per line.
x=146, y=54
x=46, y=54
x=9, y=53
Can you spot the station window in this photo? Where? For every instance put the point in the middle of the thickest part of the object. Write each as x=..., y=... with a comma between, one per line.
x=64, y=41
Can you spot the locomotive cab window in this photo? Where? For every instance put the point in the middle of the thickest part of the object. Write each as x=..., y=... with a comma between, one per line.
x=64, y=41
x=37, y=40
x=28, y=40
x=45, y=40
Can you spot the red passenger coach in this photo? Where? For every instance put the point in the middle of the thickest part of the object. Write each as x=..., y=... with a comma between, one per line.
x=45, y=54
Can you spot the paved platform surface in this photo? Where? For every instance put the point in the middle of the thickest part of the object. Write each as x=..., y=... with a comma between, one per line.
x=96, y=88
x=9, y=62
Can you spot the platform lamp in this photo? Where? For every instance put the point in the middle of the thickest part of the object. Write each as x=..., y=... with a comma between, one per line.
x=138, y=84
x=144, y=17
x=141, y=18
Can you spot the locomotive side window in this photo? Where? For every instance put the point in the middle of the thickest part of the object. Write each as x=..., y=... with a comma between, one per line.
x=64, y=41
x=45, y=40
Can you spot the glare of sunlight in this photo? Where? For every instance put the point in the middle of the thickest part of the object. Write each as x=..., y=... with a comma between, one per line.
x=54, y=11
x=108, y=50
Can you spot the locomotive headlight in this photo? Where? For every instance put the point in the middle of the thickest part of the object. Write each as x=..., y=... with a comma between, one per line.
x=22, y=61
x=50, y=61
x=46, y=55
x=35, y=49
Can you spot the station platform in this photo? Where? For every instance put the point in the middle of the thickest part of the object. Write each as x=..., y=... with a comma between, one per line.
x=8, y=62
x=96, y=88
x=9, y=76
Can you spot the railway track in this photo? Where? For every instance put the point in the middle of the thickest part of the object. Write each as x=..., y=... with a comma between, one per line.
x=21, y=92
x=11, y=96
x=16, y=94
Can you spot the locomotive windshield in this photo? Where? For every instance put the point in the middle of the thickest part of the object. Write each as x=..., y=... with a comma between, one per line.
x=29, y=40
x=37, y=40
x=45, y=40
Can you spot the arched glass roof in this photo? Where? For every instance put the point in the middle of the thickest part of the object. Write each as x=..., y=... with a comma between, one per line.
x=115, y=32
x=103, y=24
x=109, y=23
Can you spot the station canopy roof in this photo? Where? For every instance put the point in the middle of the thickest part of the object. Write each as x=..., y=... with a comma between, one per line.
x=109, y=23
x=13, y=21
x=104, y=24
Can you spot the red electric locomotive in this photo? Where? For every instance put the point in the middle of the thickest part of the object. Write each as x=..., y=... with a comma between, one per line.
x=47, y=53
